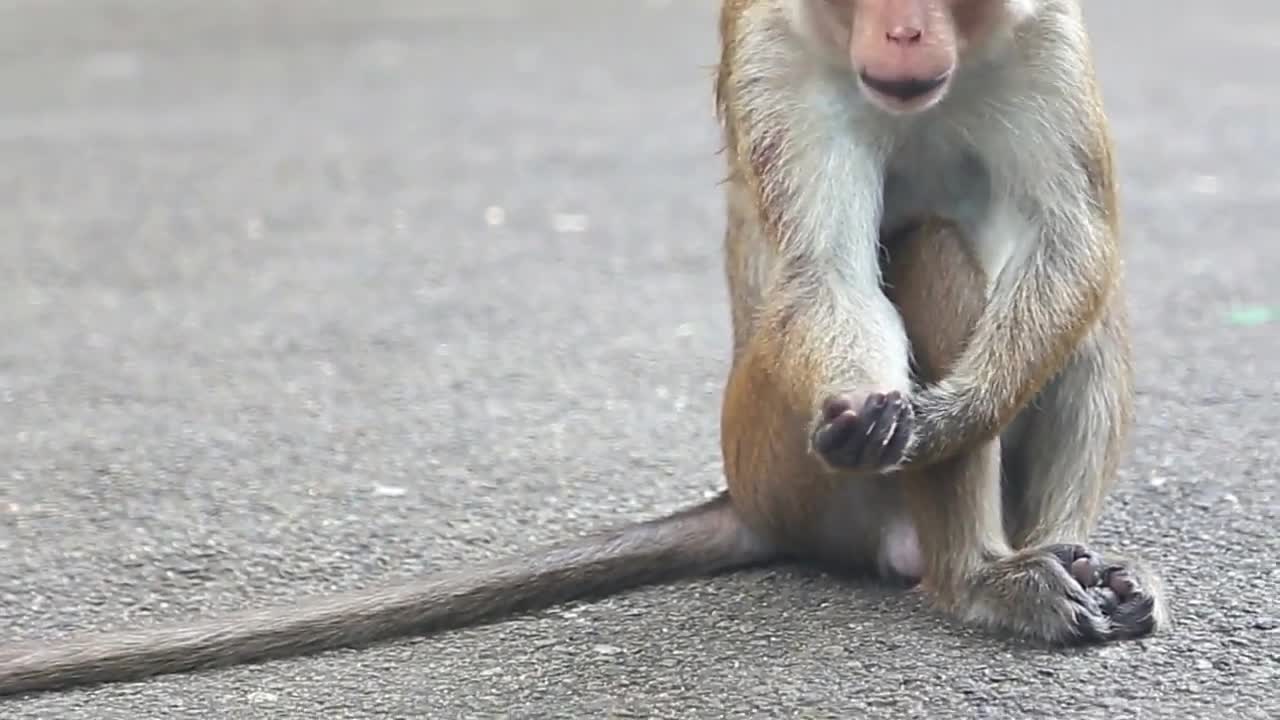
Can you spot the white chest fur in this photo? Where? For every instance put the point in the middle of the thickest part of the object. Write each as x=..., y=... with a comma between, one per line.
x=934, y=173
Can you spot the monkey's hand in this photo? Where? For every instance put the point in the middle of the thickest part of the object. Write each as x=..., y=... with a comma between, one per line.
x=1064, y=595
x=871, y=436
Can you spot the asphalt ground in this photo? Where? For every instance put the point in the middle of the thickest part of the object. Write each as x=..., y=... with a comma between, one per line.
x=309, y=295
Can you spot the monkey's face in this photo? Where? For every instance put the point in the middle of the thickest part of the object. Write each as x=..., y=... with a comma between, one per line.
x=904, y=53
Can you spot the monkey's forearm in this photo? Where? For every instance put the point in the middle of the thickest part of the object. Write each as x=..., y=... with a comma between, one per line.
x=1024, y=338
x=819, y=342
x=822, y=314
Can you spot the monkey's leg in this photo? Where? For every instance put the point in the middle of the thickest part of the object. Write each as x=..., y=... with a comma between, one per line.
x=1050, y=589
x=973, y=574
x=970, y=568
x=846, y=521
x=1061, y=458
x=792, y=342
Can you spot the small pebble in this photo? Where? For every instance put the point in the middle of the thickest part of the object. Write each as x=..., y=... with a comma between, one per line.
x=261, y=697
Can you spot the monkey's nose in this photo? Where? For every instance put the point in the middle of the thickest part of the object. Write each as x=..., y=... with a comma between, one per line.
x=904, y=35
x=904, y=89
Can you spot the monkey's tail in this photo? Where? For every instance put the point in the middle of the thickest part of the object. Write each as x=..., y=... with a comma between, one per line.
x=701, y=540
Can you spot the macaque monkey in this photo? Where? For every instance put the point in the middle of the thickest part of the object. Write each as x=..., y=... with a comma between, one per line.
x=931, y=379
x=847, y=120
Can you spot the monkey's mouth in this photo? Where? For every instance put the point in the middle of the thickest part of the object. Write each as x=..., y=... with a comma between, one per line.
x=905, y=91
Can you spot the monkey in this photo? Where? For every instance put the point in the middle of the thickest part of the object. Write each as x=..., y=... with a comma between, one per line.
x=846, y=120
x=930, y=380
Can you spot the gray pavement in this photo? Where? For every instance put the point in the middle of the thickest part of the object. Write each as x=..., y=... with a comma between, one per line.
x=305, y=295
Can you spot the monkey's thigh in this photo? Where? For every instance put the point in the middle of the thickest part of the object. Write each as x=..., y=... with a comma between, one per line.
x=1062, y=453
x=848, y=522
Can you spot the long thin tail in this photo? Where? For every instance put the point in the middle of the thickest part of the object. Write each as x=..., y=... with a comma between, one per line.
x=704, y=539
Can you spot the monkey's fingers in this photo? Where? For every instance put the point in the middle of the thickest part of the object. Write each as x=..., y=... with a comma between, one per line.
x=871, y=438
x=835, y=406
x=839, y=440
x=881, y=420
x=887, y=437
x=896, y=449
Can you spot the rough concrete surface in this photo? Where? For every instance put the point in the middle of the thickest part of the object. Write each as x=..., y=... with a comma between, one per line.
x=305, y=295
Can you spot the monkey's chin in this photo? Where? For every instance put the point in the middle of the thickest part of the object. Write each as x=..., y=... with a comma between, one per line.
x=897, y=106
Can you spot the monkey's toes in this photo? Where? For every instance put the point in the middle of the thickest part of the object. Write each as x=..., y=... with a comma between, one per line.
x=1033, y=594
x=1128, y=610
x=1130, y=606
x=1081, y=563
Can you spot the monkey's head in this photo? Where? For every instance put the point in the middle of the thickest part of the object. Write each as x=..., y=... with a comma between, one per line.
x=906, y=52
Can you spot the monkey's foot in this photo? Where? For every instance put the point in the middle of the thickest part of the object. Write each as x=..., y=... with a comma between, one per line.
x=1066, y=595
x=871, y=438
x=1128, y=597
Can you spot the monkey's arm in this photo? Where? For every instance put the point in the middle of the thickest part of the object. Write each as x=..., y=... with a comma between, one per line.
x=1065, y=266
x=823, y=328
